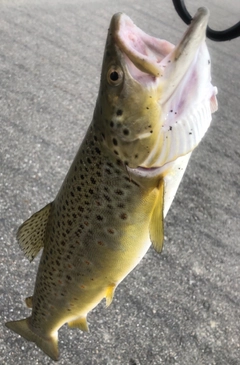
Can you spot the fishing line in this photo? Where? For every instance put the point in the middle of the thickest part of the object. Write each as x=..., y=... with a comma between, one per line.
x=215, y=35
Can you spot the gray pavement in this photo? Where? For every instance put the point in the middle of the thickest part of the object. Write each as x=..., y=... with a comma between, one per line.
x=181, y=307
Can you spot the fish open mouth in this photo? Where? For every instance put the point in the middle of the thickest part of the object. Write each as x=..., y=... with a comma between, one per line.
x=143, y=53
x=157, y=58
x=182, y=74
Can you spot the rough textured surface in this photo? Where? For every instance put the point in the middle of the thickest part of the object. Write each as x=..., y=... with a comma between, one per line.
x=181, y=307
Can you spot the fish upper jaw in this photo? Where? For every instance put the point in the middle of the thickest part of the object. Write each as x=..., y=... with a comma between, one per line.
x=143, y=53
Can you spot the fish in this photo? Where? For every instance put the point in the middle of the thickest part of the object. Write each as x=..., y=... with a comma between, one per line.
x=154, y=106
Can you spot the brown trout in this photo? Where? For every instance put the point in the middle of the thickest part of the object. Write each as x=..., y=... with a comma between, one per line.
x=154, y=106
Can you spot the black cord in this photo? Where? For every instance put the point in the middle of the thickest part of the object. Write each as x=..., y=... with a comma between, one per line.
x=214, y=35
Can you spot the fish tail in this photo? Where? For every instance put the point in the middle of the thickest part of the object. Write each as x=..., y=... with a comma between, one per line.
x=49, y=344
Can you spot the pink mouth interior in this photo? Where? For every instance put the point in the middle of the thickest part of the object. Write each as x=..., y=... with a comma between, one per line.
x=143, y=53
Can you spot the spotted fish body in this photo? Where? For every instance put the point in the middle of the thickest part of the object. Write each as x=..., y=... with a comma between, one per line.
x=123, y=179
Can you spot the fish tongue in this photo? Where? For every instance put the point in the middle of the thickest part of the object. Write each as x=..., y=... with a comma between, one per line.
x=179, y=60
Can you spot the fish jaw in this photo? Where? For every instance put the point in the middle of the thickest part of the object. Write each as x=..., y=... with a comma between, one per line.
x=144, y=52
x=188, y=98
x=166, y=94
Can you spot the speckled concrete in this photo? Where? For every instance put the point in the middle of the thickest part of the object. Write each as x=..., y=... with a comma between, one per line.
x=181, y=307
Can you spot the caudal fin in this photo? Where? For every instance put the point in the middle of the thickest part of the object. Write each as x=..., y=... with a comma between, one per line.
x=49, y=344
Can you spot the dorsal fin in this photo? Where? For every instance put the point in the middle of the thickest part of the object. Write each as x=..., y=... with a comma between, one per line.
x=156, y=226
x=31, y=233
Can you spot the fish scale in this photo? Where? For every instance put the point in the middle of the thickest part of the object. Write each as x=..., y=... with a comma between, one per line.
x=111, y=205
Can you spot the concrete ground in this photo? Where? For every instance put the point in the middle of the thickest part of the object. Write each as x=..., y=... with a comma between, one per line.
x=180, y=307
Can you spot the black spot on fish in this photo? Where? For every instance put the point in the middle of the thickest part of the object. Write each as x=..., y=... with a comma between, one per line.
x=99, y=217
x=126, y=131
x=111, y=124
x=89, y=160
x=120, y=205
x=123, y=216
x=107, y=197
x=116, y=152
x=118, y=192
x=98, y=151
x=79, y=188
x=93, y=181
x=91, y=191
x=108, y=171
x=115, y=142
x=119, y=112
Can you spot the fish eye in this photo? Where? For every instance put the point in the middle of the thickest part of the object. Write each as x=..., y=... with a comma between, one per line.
x=114, y=76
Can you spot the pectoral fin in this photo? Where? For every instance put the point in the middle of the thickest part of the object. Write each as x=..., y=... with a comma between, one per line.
x=156, y=224
x=31, y=233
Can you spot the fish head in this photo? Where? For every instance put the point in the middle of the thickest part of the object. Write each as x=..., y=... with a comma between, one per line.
x=152, y=93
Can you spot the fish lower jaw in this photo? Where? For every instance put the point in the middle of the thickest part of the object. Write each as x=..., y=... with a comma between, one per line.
x=149, y=172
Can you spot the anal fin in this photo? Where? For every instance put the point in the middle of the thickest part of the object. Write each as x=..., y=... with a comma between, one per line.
x=109, y=294
x=48, y=344
x=156, y=227
x=31, y=233
x=80, y=323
